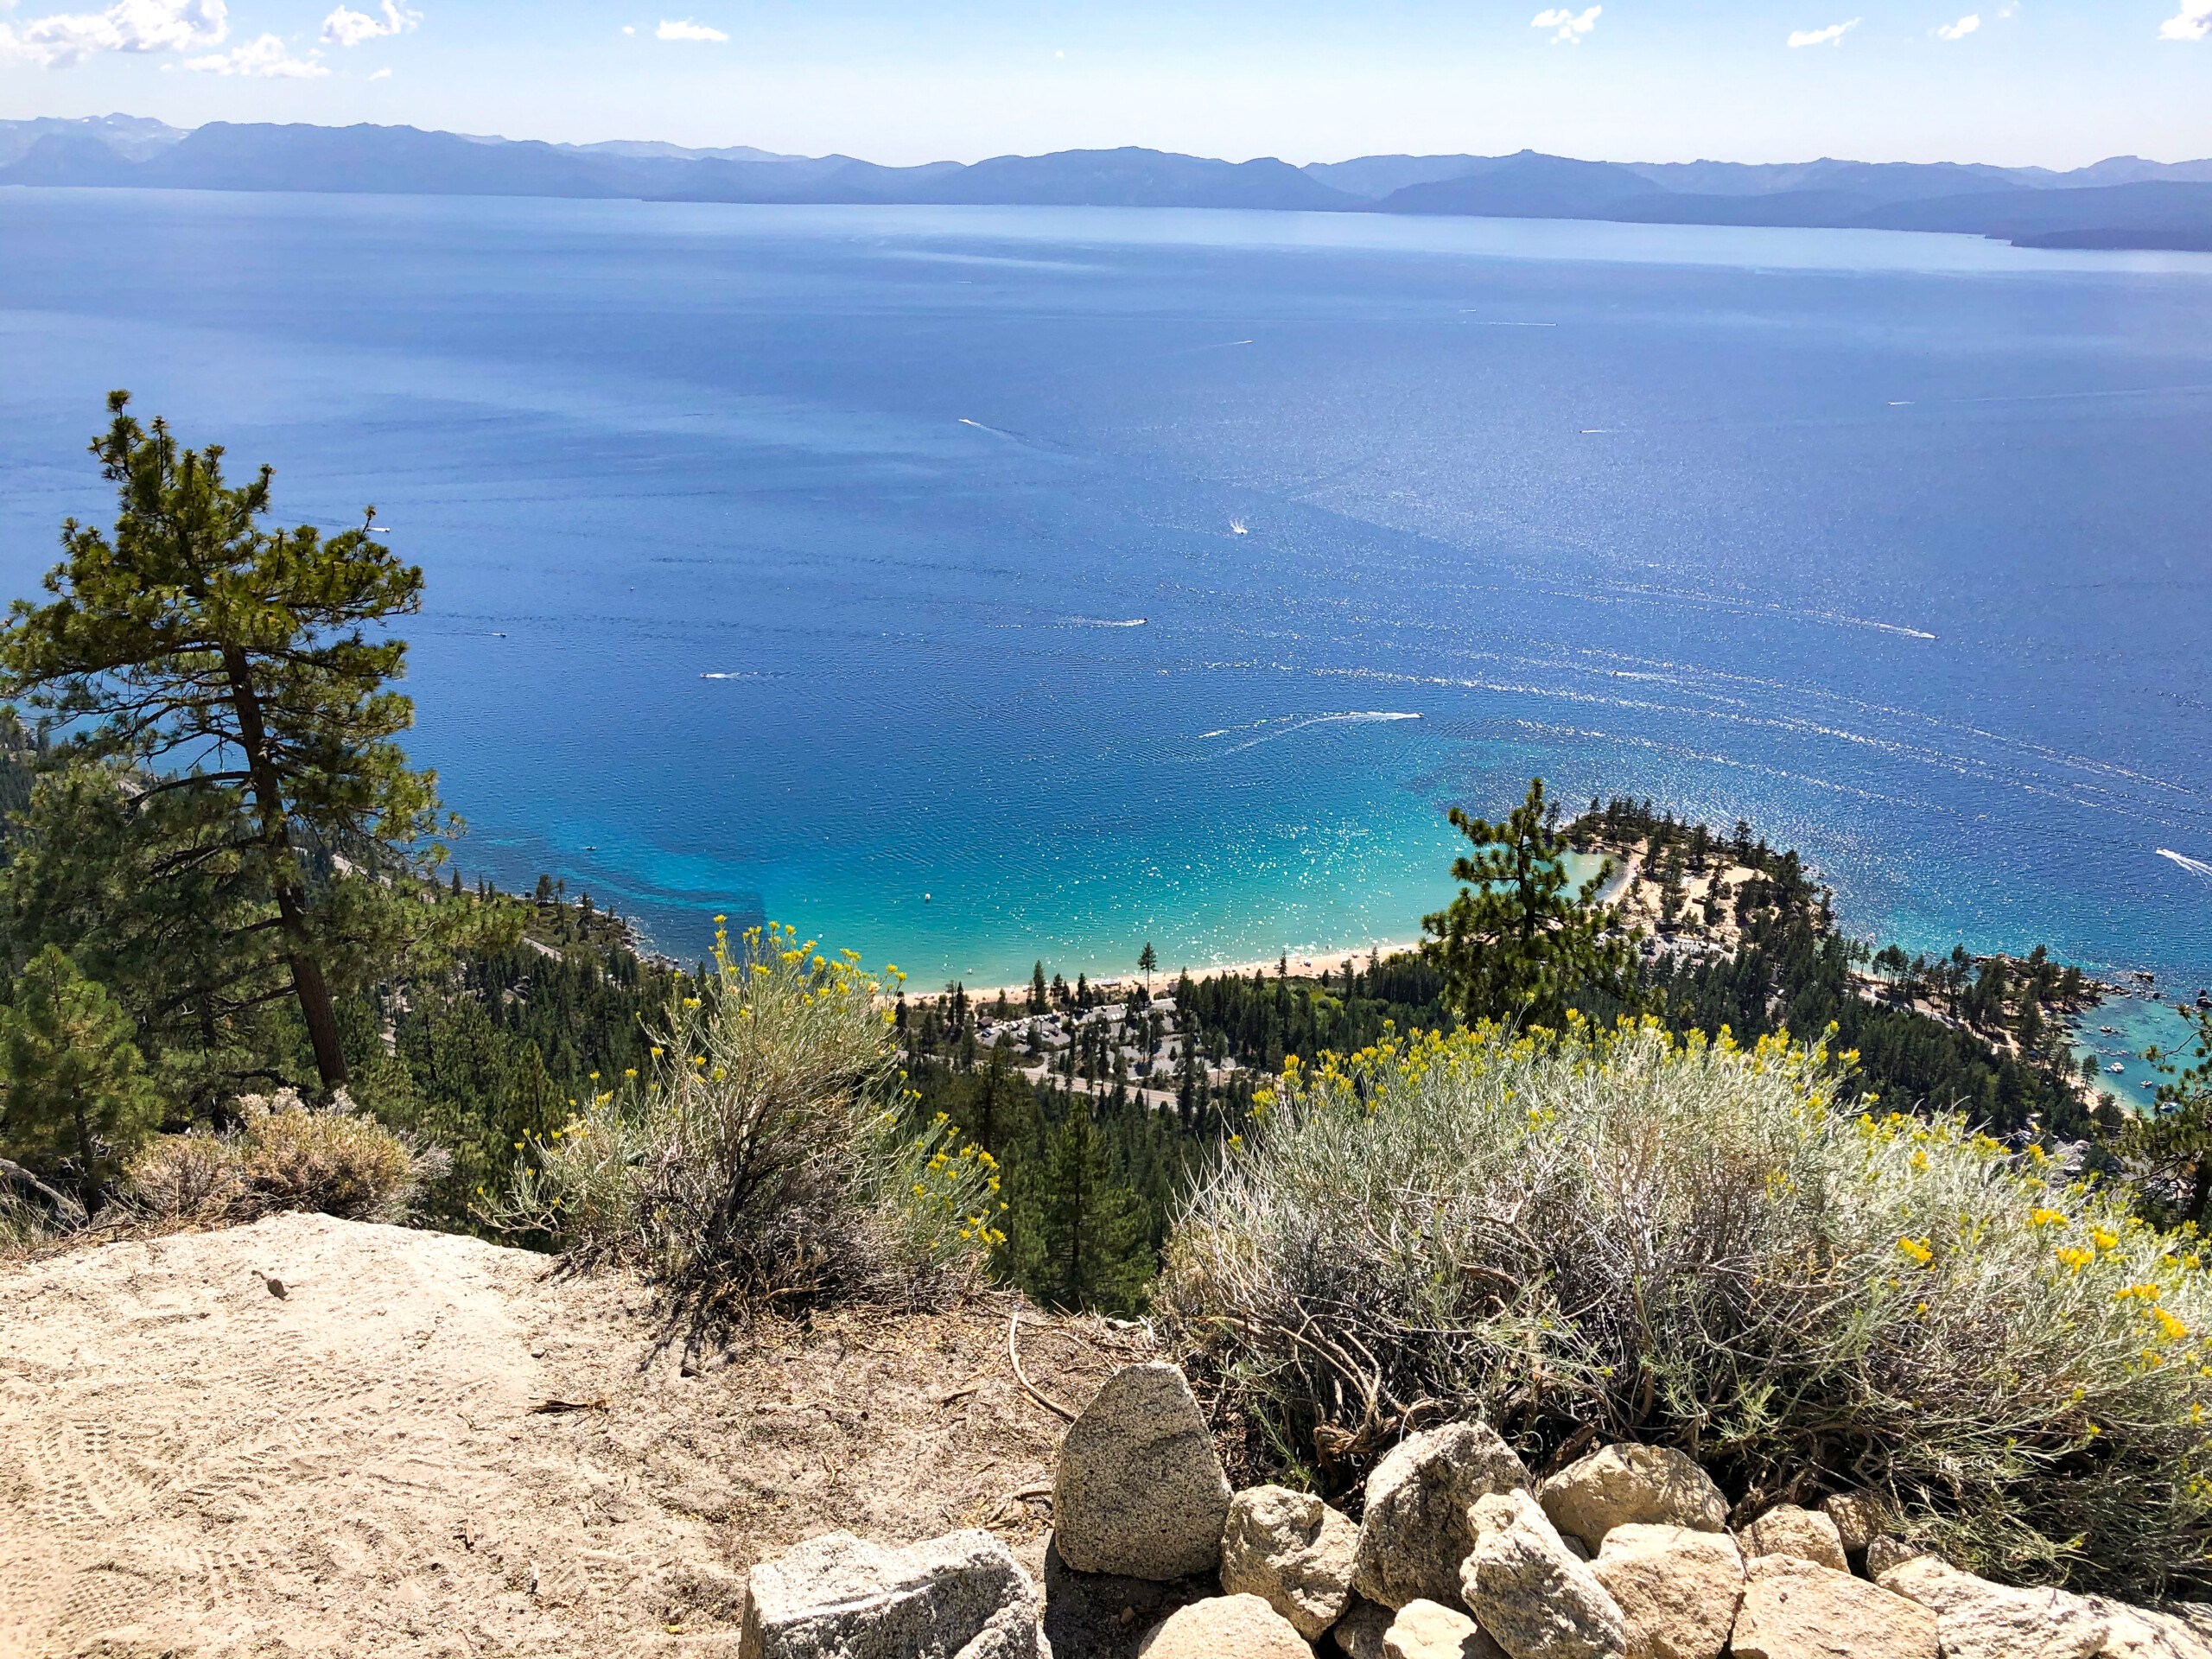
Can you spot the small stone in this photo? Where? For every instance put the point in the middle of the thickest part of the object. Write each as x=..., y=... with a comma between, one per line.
x=1293, y=1552
x=1793, y=1610
x=1428, y=1629
x=1141, y=1490
x=1415, y=1532
x=1977, y=1619
x=1786, y=1529
x=1677, y=1589
x=1359, y=1633
x=1226, y=1627
x=1632, y=1484
x=839, y=1597
x=1535, y=1599
x=1859, y=1517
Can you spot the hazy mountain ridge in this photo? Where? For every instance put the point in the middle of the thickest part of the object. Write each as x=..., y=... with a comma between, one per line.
x=2123, y=202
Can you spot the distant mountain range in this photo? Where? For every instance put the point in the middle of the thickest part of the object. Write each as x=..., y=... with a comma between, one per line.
x=2125, y=202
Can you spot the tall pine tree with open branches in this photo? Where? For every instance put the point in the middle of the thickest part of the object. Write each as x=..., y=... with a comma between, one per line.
x=207, y=654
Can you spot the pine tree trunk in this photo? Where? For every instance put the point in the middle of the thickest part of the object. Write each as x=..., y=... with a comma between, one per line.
x=88, y=1190
x=308, y=983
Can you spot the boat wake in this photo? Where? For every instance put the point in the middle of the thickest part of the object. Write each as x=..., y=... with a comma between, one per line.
x=1356, y=716
x=995, y=431
x=2196, y=867
x=1106, y=622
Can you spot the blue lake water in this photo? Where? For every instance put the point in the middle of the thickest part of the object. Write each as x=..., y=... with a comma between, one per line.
x=1109, y=576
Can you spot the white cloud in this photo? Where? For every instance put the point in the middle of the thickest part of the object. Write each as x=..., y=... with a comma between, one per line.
x=1828, y=36
x=629, y=28
x=127, y=25
x=266, y=58
x=2192, y=22
x=1967, y=24
x=1571, y=28
x=347, y=28
x=382, y=75
x=688, y=30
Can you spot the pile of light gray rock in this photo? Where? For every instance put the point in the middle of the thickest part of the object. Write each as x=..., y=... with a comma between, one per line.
x=1459, y=1553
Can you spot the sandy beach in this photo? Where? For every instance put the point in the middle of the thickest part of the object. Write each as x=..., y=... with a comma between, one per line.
x=1304, y=963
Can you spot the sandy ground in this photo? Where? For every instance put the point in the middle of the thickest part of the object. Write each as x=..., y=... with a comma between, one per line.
x=429, y=1445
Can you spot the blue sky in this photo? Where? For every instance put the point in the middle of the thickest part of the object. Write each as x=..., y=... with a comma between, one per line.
x=2052, y=82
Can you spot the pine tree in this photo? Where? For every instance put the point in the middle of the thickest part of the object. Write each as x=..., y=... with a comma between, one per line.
x=2167, y=1147
x=242, y=657
x=78, y=1101
x=151, y=893
x=1037, y=991
x=1518, y=943
x=1147, y=963
x=1087, y=1243
x=993, y=1102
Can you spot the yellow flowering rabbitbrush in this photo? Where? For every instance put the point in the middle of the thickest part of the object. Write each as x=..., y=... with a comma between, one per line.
x=1709, y=1245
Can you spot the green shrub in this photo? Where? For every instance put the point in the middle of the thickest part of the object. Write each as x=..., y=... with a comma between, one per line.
x=1617, y=1237
x=769, y=1160
x=284, y=1156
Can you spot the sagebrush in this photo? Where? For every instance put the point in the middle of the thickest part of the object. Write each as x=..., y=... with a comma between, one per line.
x=1594, y=1236
x=282, y=1156
x=769, y=1159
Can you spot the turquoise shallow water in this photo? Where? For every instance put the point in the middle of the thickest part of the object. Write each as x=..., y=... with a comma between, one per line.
x=1107, y=577
x=2137, y=1023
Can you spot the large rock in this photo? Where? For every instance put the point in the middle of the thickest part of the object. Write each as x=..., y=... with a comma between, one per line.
x=1293, y=1552
x=1533, y=1597
x=2194, y=1617
x=1980, y=1620
x=2147, y=1633
x=1226, y=1627
x=1623, y=1485
x=1677, y=1590
x=1429, y=1630
x=1785, y=1529
x=1359, y=1633
x=1415, y=1532
x=1141, y=1490
x=1793, y=1610
x=838, y=1597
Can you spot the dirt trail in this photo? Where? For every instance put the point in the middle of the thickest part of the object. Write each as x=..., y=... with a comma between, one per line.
x=367, y=1463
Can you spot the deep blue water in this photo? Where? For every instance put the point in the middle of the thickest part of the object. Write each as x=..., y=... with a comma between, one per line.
x=818, y=540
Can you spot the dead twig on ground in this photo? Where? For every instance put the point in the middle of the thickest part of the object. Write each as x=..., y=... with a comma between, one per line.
x=1013, y=1323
